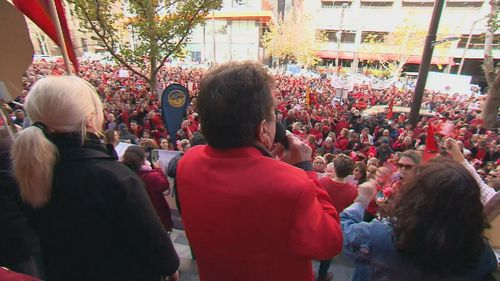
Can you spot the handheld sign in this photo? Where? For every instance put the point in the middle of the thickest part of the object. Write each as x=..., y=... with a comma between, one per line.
x=17, y=54
x=174, y=101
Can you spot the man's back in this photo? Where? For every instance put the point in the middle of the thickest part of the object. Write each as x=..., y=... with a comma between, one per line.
x=251, y=217
x=341, y=193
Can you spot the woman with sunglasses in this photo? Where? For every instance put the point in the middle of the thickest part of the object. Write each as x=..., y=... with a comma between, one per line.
x=407, y=164
x=434, y=230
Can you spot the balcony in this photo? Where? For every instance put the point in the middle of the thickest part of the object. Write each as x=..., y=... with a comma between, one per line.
x=418, y=3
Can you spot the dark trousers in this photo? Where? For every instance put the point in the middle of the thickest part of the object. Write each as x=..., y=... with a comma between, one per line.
x=323, y=267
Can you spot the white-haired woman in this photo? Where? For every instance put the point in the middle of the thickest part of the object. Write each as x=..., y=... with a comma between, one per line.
x=92, y=214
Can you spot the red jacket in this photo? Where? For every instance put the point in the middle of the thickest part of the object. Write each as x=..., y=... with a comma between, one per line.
x=252, y=217
x=156, y=183
x=342, y=143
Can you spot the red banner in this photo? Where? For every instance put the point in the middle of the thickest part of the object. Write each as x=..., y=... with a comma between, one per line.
x=38, y=11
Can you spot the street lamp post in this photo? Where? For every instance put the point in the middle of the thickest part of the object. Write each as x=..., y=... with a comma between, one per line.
x=213, y=37
x=339, y=37
x=426, y=62
x=466, y=47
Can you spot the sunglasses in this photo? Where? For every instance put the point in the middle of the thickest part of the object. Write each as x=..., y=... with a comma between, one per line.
x=404, y=166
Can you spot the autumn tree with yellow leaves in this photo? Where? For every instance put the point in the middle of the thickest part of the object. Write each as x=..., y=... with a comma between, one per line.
x=292, y=39
x=394, y=49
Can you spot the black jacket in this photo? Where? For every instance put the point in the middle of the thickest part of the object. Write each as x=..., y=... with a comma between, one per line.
x=99, y=223
x=18, y=242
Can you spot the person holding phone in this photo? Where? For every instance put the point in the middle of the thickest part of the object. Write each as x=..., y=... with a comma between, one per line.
x=434, y=229
x=251, y=214
x=154, y=179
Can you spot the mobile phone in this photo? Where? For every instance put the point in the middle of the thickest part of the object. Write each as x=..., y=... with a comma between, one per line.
x=280, y=135
x=154, y=156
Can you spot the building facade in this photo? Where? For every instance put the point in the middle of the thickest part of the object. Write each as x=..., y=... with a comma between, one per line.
x=357, y=19
x=232, y=33
x=235, y=31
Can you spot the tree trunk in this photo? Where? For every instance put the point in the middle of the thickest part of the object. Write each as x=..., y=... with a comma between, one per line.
x=490, y=108
x=152, y=85
x=153, y=79
x=153, y=71
x=489, y=65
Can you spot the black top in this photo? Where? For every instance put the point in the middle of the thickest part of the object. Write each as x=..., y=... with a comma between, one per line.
x=99, y=223
x=18, y=242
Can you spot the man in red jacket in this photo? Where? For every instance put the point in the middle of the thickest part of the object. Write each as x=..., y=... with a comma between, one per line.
x=342, y=194
x=248, y=215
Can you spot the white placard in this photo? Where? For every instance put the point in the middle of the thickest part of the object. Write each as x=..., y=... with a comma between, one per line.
x=448, y=83
x=165, y=156
x=120, y=149
x=123, y=73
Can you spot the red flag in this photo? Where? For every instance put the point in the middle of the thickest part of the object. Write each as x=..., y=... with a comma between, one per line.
x=390, y=113
x=38, y=11
x=431, y=146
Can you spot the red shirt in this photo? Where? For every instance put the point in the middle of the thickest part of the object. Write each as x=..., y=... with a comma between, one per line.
x=247, y=228
x=341, y=125
x=342, y=143
x=342, y=194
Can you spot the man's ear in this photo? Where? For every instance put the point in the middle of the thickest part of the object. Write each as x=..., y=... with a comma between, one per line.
x=261, y=131
x=263, y=134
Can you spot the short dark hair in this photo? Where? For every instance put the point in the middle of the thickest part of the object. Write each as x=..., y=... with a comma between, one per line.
x=109, y=135
x=197, y=139
x=343, y=165
x=362, y=169
x=439, y=218
x=134, y=157
x=234, y=98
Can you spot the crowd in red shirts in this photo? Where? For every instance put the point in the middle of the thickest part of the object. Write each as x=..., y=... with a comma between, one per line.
x=309, y=108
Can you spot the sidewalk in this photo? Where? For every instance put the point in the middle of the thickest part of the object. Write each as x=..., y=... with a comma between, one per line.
x=341, y=268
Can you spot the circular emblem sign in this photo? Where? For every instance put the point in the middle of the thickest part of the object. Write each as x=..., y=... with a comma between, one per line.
x=176, y=98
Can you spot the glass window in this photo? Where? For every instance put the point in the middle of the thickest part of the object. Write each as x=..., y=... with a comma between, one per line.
x=326, y=4
x=339, y=4
x=378, y=36
x=348, y=36
x=477, y=41
x=464, y=4
x=376, y=4
x=243, y=3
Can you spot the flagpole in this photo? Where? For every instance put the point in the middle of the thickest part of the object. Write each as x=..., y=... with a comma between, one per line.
x=60, y=36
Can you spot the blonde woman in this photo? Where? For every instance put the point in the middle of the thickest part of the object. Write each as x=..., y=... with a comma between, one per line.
x=92, y=214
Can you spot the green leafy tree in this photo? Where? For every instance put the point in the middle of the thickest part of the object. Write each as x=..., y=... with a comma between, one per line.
x=161, y=29
x=292, y=39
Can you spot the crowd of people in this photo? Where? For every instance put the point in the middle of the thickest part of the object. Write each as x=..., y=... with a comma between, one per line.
x=366, y=166
x=310, y=108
